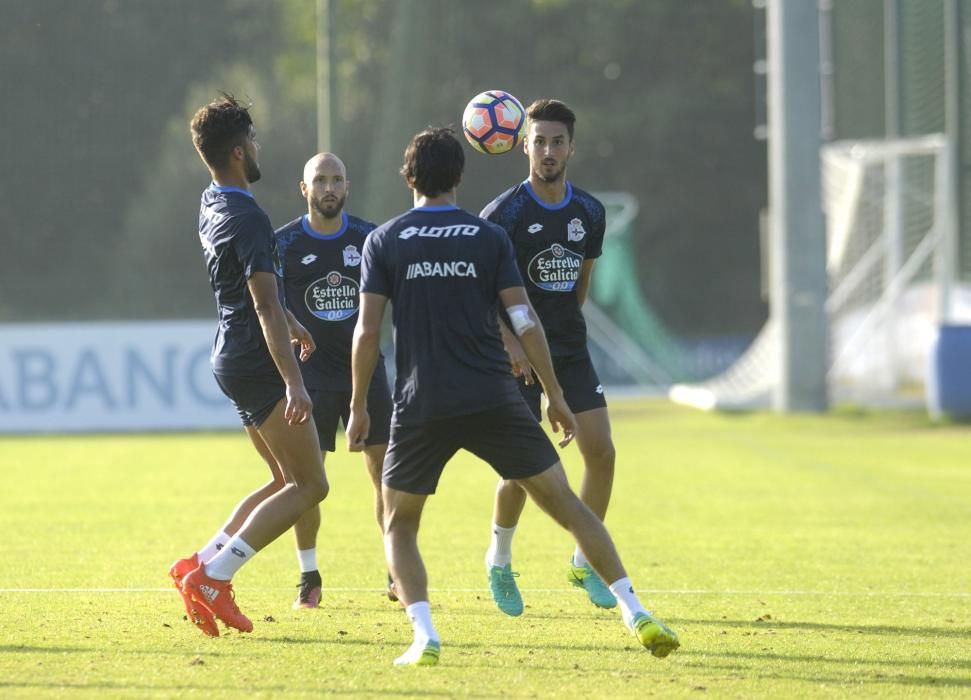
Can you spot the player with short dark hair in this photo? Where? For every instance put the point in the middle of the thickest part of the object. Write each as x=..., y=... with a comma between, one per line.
x=254, y=365
x=321, y=257
x=557, y=231
x=447, y=272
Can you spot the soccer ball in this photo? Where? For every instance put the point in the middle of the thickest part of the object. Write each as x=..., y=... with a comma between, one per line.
x=493, y=122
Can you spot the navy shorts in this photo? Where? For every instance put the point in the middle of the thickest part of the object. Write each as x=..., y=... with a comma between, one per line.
x=582, y=389
x=333, y=406
x=254, y=396
x=508, y=438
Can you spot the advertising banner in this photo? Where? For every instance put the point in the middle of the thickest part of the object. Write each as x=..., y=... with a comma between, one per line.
x=112, y=376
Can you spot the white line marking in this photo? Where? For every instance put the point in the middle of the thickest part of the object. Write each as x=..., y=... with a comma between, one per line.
x=654, y=591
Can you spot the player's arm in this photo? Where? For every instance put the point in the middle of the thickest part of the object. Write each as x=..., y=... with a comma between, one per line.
x=517, y=356
x=273, y=320
x=532, y=339
x=300, y=336
x=583, y=283
x=364, y=357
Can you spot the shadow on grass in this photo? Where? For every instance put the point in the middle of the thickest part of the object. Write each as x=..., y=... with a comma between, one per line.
x=806, y=658
x=25, y=649
x=897, y=631
x=853, y=677
x=270, y=690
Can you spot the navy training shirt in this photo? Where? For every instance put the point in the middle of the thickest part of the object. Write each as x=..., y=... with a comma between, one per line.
x=551, y=242
x=443, y=269
x=237, y=241
x=321, y=278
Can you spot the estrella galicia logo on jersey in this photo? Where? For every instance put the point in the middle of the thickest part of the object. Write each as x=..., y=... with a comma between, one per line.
x=333, y=297
x=352, y=258
x=575, y=230
x=555, y=269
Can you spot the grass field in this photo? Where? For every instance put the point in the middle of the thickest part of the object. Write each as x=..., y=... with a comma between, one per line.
x=796, y=557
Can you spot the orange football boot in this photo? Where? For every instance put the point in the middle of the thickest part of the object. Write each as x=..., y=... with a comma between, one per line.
x=197, y=614
x=217, y=597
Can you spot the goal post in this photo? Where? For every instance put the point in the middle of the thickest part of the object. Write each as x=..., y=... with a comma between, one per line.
x=891, y=270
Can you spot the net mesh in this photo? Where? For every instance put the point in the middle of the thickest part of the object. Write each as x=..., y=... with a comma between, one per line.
x=884, y=214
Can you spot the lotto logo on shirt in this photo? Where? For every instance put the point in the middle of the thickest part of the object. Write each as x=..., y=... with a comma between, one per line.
x=555, y=269
x=333, y=297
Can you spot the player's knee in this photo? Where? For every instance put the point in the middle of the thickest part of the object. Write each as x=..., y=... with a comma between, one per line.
x=322, y=490
x=601, y=456
x=400, y=520
x=316, y=489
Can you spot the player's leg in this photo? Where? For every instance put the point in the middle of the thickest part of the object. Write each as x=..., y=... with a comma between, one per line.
x=551, y=492
x=597, y=447
x=380, y=407
x=305, y=531
x=402, y=516
x=310, y=588
x=415, y=459
x=507, y=509
x=254, y=399
x=183, y=566
x=599, y=455
x=373, y=463
x=295, y=449
x=584, y=394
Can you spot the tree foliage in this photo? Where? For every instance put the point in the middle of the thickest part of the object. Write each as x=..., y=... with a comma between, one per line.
x=101, y=187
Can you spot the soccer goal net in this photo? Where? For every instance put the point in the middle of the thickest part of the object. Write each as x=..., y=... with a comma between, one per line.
x=890, y=280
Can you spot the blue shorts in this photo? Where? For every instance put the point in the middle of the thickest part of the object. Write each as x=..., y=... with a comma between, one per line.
x=582, y=389
x=254, y=396
x=333, y=406
x=508, y=438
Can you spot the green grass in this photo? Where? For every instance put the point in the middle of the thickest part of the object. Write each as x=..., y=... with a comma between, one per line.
x=795, y=556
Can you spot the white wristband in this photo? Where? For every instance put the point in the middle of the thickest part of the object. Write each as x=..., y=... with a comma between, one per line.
x=520, y=318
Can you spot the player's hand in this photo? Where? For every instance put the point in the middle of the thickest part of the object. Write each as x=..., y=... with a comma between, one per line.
x=301, y=336
x=299, y=406
x=358, y=427
x=561, y=417
x=518, y=360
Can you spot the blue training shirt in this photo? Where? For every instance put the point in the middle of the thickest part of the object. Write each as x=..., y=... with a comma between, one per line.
x=237, y=241
x=552, y=241
x=443, y=268
x=321, y=278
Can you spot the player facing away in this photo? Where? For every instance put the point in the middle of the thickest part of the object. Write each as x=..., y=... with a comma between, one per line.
x=321, y=257
x=446, y=273
x=253, y=363
x=557, y=232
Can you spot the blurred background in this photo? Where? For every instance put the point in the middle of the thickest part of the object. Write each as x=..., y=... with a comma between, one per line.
x=100, y=184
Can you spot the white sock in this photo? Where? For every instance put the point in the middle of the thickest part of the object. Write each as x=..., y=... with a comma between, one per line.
x=500, y=549
x=420, y=614
x=630, y=605
x=230, y=559
x=579, y=559
x=212, y=548
x=307, y=559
